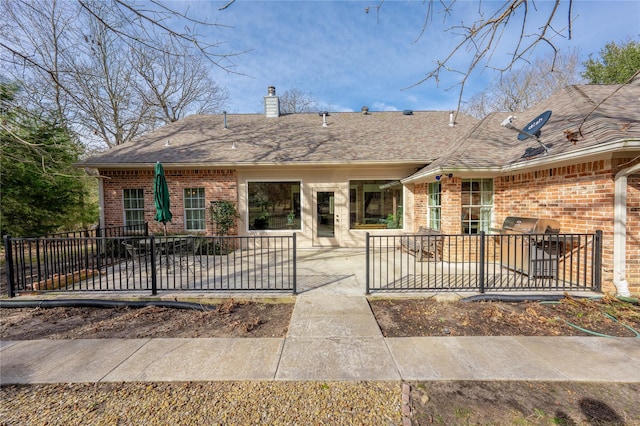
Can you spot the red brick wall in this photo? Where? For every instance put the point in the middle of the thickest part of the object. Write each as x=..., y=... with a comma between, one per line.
x=217, y=184
x=581, y=198
x=420, y=205
x=451, y=206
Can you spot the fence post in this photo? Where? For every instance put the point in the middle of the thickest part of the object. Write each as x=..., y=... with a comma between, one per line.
x=295, y=269
x=154, y=278
x=367, y=291
x=482, y=257
x=597, y=264
x=9, y=265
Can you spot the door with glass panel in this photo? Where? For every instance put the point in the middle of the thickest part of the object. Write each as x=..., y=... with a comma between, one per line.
x=327, y=220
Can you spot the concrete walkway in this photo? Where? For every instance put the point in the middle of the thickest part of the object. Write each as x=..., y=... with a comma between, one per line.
x=332, y=336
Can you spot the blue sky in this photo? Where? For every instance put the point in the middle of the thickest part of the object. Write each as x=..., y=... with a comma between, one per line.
x=347, y=58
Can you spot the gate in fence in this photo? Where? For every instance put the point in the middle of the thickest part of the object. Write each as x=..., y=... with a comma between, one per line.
x=151, y=263
x=434, y=262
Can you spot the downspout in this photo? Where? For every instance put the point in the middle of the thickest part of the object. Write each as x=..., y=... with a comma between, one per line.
x=620, y=231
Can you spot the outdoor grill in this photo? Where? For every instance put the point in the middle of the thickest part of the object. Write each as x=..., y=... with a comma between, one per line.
x=535, y=250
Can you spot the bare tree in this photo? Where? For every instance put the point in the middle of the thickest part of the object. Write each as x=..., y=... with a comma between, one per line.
x=480, y=41
x=113, y=68
x=294, y=101
x=522, y=88
x=107, y=101
x=37, y=31
x=176, y=84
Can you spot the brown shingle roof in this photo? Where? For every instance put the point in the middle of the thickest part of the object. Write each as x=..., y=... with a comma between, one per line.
x=202, y=140
x=602, y=113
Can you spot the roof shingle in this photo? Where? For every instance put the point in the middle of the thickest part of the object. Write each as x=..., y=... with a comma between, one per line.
x=291, y=139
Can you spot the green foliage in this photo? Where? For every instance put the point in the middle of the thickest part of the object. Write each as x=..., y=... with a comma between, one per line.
x=41, y=192
x=617, y=64
x=224, y=215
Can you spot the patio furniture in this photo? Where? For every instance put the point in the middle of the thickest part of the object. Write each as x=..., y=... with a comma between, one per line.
x=137, y=255
x=424, y=244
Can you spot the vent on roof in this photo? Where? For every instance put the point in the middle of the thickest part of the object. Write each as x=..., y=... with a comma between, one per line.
x=365, y=110
x=407, y=112
x=452, y=119
x=324, y=115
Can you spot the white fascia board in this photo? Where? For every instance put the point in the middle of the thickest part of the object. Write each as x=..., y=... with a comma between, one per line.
x=598, y=150
x=593, y=151
x=430, y=175
x=136, y=166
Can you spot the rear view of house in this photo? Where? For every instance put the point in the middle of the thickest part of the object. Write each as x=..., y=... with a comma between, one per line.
x=333, y=177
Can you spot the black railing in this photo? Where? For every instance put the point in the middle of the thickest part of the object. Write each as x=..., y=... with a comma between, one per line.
x=154, y=263
x=141, y=229
x=434, y=262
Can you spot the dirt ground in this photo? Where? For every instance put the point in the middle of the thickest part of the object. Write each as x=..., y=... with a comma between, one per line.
x=444, y=403
x=398, y=317
x=567, y=317
x=229, y=319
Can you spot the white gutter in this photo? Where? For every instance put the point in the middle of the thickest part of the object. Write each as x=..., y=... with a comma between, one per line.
x=620, y=231
x=543, y=161
x=572, y=156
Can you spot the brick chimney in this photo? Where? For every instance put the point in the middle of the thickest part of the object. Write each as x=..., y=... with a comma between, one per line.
x=271, y=103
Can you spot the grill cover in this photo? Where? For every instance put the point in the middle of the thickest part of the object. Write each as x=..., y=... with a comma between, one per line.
x=530, y=225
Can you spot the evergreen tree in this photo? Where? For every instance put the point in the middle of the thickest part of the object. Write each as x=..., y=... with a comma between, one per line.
x=617, y=64
x=40, y=190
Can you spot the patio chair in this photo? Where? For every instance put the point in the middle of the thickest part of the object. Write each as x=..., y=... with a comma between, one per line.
x=137, y=255
x=192, y=253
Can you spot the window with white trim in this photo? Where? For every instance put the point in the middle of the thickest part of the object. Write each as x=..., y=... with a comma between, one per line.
x=434, y=207
x=194, y=209
x=133, y=201
x=477, y=205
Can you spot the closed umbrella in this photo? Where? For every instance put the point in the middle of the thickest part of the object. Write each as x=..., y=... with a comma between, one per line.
x=161, y=197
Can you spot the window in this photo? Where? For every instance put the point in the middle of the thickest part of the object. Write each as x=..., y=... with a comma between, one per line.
x=274, y=205
x=194, y=209
x=477, y=205
x=435, y=205
x=133, y=206
x=375, y=203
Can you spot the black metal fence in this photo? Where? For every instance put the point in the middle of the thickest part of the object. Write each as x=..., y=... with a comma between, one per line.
x=130, y=260
x=504, y=262
x=151, y=263
x=141, y=229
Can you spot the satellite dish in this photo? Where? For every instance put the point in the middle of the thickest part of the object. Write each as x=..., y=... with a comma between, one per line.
x=533, y=128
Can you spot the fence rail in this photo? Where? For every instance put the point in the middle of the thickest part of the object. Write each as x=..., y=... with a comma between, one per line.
x=503, y=262
x=151, y=263
x=140, y=229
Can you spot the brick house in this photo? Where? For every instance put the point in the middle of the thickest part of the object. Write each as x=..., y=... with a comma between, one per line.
x=331, y=177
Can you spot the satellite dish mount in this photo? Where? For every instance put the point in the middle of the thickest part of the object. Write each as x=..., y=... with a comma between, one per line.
x=531, y=130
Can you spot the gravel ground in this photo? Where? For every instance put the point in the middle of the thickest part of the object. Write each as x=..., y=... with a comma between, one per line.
x=204, y=403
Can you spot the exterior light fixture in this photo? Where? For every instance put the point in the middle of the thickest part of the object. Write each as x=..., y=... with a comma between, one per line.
x=438, y=177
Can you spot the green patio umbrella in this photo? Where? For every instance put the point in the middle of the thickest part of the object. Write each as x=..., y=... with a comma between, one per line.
x=161, y=197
